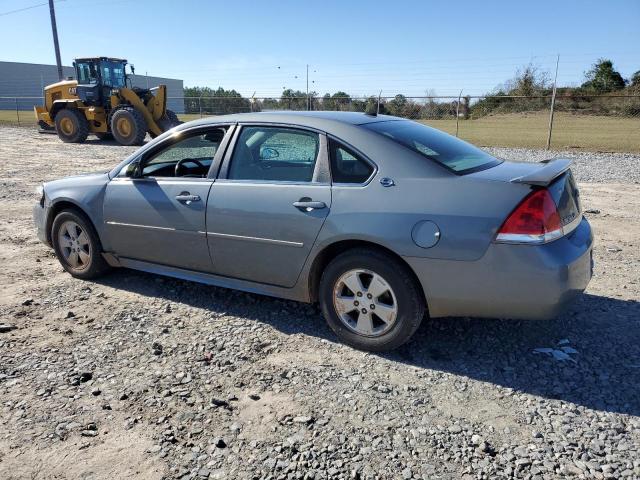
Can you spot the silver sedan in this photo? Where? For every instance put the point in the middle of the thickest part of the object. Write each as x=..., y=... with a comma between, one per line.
x=381, y=220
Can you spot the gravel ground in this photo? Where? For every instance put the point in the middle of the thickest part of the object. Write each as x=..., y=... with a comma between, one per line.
x=587, y=166
x=137, y=376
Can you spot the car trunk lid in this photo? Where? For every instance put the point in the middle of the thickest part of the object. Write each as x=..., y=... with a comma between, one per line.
x=539, y=174
x=555, y=175
x=547, y=171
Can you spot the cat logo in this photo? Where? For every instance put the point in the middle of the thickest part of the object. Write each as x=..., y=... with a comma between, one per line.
x=72, y=90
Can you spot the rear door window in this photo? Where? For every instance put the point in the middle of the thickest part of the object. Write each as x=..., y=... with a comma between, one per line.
x=347, y=166
x=274, y=154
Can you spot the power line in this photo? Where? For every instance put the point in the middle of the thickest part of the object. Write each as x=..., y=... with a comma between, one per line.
x=27, y=8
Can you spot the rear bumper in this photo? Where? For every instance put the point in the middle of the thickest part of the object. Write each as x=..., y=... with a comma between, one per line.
x=510, y=281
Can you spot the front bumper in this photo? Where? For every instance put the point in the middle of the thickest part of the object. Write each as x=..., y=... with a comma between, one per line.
x=40, y=222
x=510, y=281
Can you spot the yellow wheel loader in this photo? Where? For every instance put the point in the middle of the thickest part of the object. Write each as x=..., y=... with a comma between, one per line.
x=102, y=101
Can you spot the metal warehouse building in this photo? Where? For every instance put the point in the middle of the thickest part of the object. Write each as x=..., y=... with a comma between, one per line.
x=21, y=85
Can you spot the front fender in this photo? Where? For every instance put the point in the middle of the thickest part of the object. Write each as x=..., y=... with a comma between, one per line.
x=61, y=104
x=86, y=193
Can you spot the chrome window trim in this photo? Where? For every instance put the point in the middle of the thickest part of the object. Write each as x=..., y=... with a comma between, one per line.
x=161, y=180
x=226, y=181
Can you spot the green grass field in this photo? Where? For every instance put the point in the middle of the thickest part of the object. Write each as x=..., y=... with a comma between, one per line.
x=10, y=116
x=583, y=132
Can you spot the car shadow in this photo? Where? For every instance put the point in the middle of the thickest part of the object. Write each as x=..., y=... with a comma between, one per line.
x=106, y=143
x=589, y=356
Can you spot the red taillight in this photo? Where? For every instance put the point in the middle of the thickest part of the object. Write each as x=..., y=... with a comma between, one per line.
x=535, y=220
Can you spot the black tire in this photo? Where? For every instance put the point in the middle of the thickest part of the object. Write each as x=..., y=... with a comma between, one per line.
x=169, y=121
x=408, y=294
x=104, y=135
x=71, y=125
x=95, y=265
x=128, y=126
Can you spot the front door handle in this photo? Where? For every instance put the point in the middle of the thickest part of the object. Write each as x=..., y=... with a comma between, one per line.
x=309, y=205
x=187, y=198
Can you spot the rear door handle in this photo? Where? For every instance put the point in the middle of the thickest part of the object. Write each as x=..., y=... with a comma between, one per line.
x=187, y=198
x=309, y=205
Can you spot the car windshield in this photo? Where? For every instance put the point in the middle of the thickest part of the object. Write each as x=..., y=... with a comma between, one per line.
x=112, y=73
x=453, y=153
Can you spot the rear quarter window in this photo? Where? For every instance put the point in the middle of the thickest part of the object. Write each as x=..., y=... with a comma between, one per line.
x=451, y=152
x=347, y=166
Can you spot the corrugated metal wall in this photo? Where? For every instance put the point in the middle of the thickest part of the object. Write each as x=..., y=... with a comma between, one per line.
x=29, y=79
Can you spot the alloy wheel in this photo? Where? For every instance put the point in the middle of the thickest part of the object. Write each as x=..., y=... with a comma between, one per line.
x=74, y=245
x=365, y=302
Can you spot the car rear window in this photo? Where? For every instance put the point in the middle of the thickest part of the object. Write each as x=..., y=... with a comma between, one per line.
x=453, y=153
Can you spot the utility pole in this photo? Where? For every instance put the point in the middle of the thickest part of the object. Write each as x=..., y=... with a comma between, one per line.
x=458, y=112
x=308, y=101
x=54, y=29
x=553, y=104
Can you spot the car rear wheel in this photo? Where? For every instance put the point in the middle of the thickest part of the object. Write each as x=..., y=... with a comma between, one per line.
x=371, y=300
x=77, y=245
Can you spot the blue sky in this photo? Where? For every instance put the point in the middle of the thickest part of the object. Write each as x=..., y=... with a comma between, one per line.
x=361, y=47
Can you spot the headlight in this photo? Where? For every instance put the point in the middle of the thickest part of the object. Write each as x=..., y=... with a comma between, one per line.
x=40, y=194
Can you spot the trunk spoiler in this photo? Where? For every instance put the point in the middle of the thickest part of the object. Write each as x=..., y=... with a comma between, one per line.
x=552, y=169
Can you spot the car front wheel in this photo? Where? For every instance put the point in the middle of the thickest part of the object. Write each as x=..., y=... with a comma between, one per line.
x=77, y=245
x=371, y=300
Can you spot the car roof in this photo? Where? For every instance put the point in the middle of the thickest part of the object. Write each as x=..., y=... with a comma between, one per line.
x=323, y=120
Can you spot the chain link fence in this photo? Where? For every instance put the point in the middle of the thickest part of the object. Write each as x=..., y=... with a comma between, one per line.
x=587, y=122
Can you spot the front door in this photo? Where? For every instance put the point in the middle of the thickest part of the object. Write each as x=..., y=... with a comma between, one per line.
x=156, y=213
x=266, y=210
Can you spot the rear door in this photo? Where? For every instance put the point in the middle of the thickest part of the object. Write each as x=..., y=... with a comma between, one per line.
x=158, y=215
x=266, y=208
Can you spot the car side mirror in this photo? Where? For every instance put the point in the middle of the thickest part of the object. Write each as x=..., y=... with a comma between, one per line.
x=133, y=170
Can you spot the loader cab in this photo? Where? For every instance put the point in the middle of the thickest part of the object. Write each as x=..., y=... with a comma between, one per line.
x=97, y=77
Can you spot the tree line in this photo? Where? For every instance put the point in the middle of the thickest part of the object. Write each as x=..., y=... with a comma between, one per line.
x=601, y=79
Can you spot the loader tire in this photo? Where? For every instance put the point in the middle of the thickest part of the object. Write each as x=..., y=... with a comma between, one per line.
x=169, y=121
x=128, y=126
x=71, y=125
